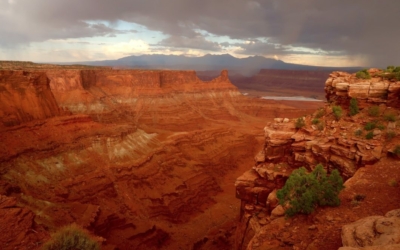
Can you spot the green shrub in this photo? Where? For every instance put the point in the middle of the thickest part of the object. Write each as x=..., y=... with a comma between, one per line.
x=358, y=132
x=71, y=237
x=393, y=183
x=397, y=150
x=354, y=107
x=373, y=111
x=321, y=126
x=300, y=122
x=389, y=69
x=370, y=126
x=380, y=127
x=390, y=117
x=369, y=135
x=337, y=112
x=359, y=197
x=363, y=74
x=315, y=121
x=319, y=113
x=395, y=75
x=303, y=192
x=390, y=135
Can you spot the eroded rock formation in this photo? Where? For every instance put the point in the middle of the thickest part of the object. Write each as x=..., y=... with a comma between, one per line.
x=374, y=232
x=340, y=87
x=25, y=96
x=339, y=143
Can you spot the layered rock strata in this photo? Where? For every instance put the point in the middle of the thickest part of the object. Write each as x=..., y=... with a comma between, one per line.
x=340, y=87
x=344, y=143
x=137, y=157
x=25, y=96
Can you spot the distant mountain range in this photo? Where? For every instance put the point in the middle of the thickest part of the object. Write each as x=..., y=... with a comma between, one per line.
x=207, y=62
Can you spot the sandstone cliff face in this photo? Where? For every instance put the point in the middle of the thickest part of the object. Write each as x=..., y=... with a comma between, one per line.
x=25, y=96
x=340, y=87
x=92, y=91
x=340, y=144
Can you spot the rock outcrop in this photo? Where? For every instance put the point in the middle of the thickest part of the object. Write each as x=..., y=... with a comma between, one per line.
x=17, y=228
x=340, y=142
x=91, y=91
x=25, y=96
x=375, y=232
x=340, y=87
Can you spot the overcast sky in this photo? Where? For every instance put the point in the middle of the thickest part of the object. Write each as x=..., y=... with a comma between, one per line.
x=313, y=32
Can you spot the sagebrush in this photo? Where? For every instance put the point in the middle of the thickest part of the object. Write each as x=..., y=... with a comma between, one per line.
x=71, y=237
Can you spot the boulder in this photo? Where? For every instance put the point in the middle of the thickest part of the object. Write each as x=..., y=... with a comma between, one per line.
x=278, y=212
x=260, y=157
x=272, y=200
x=376, y=231
x=378, y=89
x=359, y=90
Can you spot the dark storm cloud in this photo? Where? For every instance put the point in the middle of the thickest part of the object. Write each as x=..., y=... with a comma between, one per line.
x=356, y=27
x=270, y=49
x=197, y=42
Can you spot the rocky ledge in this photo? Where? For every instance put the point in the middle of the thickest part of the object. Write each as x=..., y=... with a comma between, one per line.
x=340, y=87
x=373, y=233
x=338, y=141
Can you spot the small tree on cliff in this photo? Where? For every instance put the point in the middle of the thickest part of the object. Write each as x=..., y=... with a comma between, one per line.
x=303, y=192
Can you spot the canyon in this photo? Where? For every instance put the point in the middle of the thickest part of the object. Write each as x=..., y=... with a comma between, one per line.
x=144, y=159
x=276, y=82
x=160, y=159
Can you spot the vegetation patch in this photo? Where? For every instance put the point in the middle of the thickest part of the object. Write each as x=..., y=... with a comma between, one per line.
x=303, y=191
x=370, y=126
x=319, y=113
x=315, y=121
x=369, y=135
x=337, y=112
x=380, y=127
x=390, y=117
x=363, y=74
x=72, y=237
x=390, y=135
x=374, y=111
x=391, y=73
x=354, y=107
x=321, y=126
x=300, y=123
x=357, y=199
x=393, y=183
x=397, y=150
x=358, y=132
